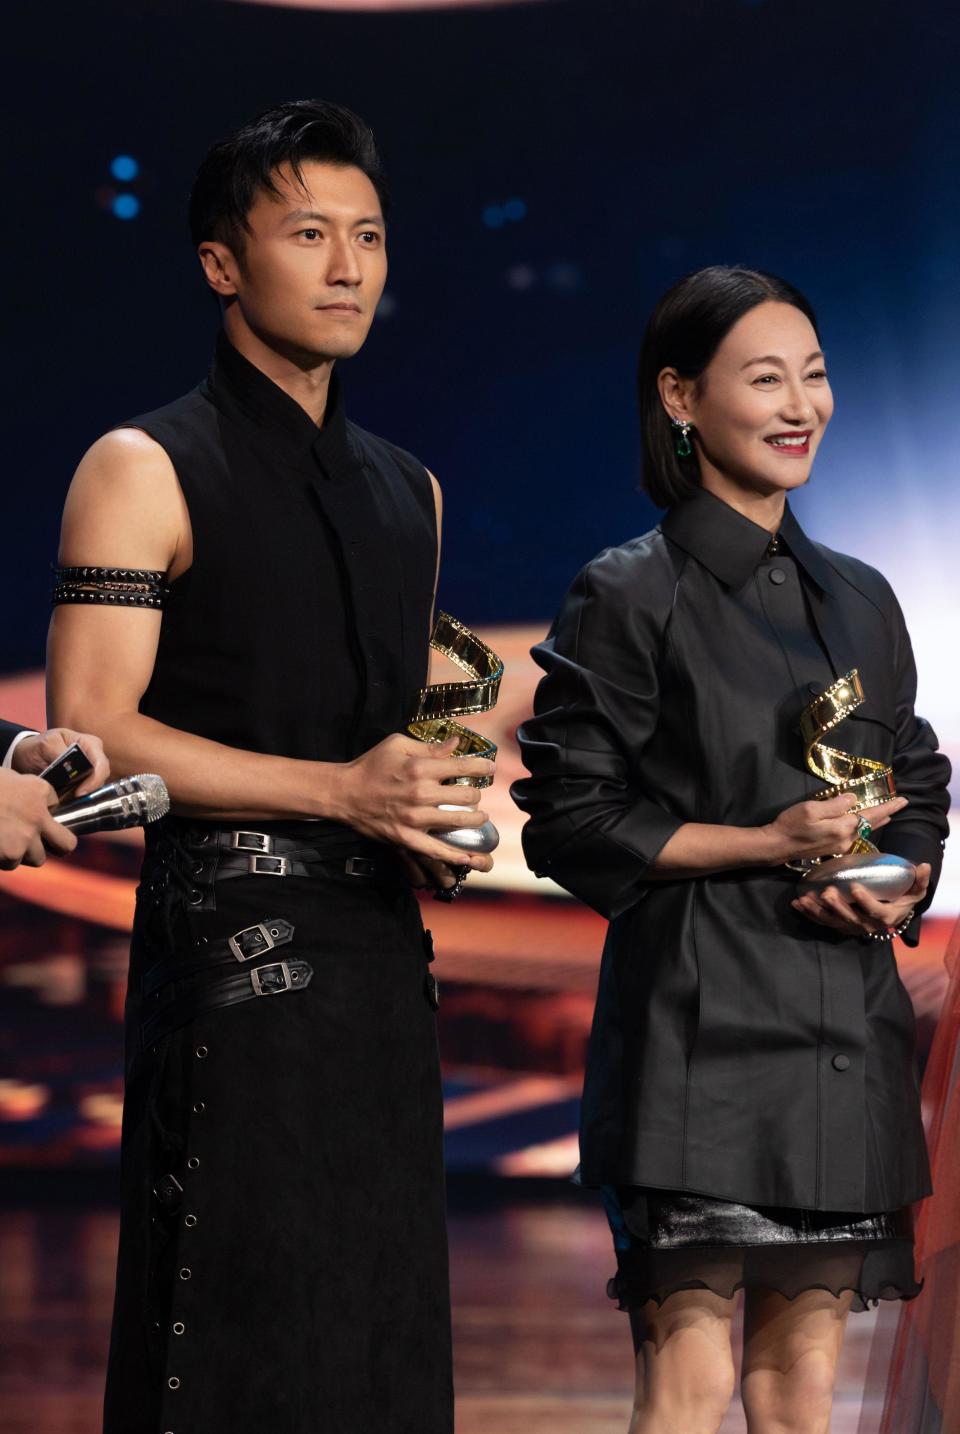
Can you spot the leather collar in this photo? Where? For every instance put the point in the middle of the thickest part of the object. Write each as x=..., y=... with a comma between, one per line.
x=731, y=546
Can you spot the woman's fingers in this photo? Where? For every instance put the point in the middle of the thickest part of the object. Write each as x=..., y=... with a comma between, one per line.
x=826, y=918
x=919, y=888
x=840, y=905
x=832, y=908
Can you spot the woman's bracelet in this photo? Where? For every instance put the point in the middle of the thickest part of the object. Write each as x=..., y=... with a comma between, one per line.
x=894, y=930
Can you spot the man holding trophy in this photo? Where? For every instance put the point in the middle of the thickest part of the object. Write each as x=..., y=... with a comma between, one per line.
x=246, y=606
x=725, y=760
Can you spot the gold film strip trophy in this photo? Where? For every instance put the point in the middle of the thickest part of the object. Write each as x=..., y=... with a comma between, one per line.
x=884, y=876
x=434, y=721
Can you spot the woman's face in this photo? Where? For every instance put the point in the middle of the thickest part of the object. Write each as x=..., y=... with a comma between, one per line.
x=762, y=404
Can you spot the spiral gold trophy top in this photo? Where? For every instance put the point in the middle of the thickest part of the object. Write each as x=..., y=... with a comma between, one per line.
x=870, y=781
x=442, y=702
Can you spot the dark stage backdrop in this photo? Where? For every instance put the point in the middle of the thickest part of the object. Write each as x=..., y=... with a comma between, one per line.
x=554, y=166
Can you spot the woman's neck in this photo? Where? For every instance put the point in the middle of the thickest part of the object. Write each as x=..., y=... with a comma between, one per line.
x=764, y=509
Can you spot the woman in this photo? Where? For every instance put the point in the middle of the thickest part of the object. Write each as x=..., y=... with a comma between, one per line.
x=750, y=1109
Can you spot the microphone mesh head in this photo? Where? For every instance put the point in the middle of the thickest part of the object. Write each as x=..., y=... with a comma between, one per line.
x=154, y=794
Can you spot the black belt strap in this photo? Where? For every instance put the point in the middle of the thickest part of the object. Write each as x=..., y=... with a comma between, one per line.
x=231, y=853
x=274, y=979
x=242, y=946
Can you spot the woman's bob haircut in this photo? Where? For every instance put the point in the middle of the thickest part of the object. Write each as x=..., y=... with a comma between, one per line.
x=685, y=330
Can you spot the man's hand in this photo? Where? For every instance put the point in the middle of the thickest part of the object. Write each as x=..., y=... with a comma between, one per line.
x=393, y=793
x=425, y=874
x=35, y=753
x=27, y=830
x=858, y=912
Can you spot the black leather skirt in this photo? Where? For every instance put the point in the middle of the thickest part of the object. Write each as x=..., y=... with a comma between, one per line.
x=666, y=1241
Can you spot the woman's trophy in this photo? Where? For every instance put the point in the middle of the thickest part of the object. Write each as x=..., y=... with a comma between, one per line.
x=884, y=876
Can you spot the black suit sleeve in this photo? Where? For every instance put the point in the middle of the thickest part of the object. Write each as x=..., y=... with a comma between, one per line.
x=8, y=730
x=592, y=827
x=921, y=772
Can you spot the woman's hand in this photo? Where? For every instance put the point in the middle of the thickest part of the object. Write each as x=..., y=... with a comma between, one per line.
x=823, y=828
x=857, y=912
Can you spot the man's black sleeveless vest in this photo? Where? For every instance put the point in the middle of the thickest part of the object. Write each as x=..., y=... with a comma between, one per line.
x=302, y=627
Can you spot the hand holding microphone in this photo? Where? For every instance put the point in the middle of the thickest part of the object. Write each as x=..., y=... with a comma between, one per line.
x=68, y=760
x=27, y=830
x=128, y=802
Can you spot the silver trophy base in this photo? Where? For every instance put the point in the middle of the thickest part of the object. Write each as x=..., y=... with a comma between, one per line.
x=483, y=839
x=886, y=877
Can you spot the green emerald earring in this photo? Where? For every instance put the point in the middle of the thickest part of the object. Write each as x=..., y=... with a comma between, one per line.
x=681, y=432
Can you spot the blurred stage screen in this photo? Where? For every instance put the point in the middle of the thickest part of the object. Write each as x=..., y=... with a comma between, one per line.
x=554, y=166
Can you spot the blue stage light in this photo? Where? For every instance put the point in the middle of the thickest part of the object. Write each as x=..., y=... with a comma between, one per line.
x=126, y=206
x=515, y=209
x=493, y=216
x=124, y=168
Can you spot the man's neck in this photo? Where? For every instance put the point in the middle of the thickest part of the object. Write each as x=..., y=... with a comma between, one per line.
x=305, y=378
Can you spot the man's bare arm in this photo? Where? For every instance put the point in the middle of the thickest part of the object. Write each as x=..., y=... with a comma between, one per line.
x=126, y=509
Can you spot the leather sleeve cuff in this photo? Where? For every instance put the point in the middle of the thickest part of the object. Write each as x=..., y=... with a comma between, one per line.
x=604, y=865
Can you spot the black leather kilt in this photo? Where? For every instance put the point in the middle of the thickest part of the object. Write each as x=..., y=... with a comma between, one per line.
x=283, y=1261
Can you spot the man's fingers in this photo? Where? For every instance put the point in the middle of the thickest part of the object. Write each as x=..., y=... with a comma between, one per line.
x=35, y=855
x=432, y=793
x=56, y=838
x=414, y=870
x=421, y=844
x=447, y=767
x=448, y=821
x=92, y=748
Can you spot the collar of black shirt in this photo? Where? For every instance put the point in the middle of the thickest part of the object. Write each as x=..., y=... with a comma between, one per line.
x=731, y=546
x=247, y=395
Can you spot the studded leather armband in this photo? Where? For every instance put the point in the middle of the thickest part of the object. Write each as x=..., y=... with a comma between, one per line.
x=113, y=587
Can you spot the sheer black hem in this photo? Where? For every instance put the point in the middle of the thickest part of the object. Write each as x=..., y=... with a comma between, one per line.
x=870, y=1270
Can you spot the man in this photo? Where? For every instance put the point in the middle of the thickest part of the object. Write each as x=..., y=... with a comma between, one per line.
x=27, y=830
x=282, y=1254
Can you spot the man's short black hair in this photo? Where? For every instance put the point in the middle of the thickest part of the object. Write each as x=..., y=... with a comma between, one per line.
x=244, y=164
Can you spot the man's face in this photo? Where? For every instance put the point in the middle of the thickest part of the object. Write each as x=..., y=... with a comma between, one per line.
x=315, y=262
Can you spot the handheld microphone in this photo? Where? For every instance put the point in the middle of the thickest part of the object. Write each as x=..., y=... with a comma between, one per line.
x=129, y=802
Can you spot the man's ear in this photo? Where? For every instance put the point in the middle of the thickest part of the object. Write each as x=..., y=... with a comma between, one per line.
x=220, y=267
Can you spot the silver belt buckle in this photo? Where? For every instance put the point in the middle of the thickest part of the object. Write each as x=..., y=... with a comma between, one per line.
x=265, y=942
x=279, y=968
x=263, y=864
x=252, y=841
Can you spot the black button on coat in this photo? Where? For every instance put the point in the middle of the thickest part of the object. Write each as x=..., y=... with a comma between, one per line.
x=676, y=672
